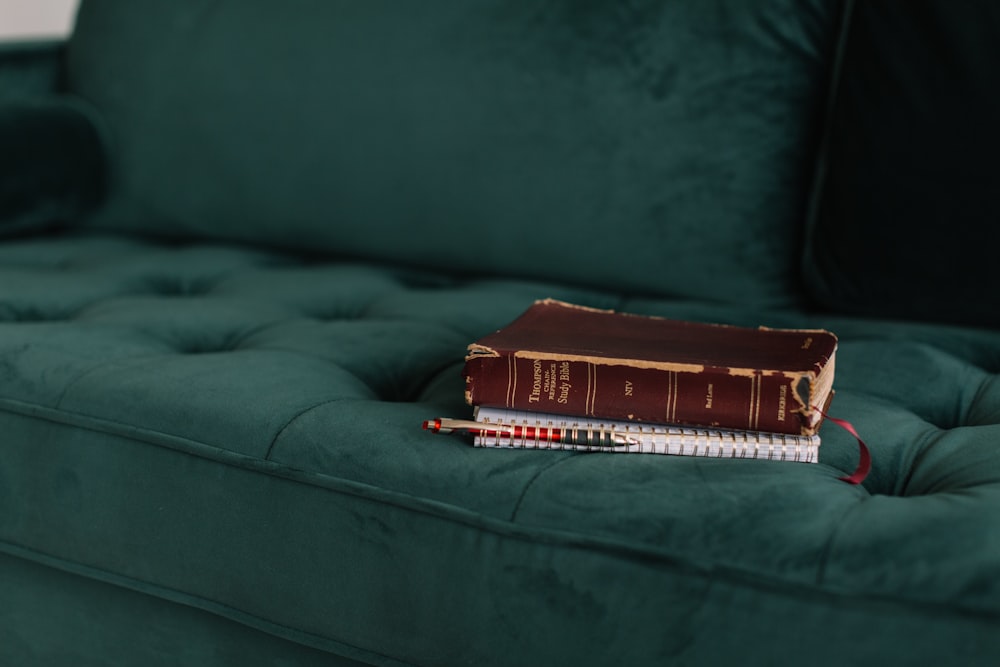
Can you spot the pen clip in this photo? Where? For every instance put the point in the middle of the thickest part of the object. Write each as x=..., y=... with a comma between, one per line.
x=586, y=437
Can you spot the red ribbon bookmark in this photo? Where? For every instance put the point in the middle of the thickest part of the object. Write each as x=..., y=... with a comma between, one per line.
x=865, y=460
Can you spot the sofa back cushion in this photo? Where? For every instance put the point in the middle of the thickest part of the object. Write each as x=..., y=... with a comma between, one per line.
x=661, y=146
x=908, y=225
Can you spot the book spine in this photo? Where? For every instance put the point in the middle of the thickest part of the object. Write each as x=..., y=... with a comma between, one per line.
x=706, y=397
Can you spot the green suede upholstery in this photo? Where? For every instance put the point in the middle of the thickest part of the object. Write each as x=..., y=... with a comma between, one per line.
x=472, y=133
x=238, y=431
x=211, y=388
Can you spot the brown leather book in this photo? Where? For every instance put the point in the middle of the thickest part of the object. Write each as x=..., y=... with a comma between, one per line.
x=572, y=360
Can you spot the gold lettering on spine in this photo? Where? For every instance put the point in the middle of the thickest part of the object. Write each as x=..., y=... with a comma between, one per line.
x=782, y=402
x=536, y=381
x=564, y=383
x=550, y=384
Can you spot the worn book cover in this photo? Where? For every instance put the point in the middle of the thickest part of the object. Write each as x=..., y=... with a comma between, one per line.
x=572, y=360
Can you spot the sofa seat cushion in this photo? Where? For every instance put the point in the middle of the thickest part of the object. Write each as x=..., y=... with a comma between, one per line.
x=239, y=430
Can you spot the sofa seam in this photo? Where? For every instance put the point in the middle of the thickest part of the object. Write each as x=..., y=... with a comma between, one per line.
x=984, y=386
x=372, y=493
x=531, y=482
x=828, y=547
x=177, y=596
x=744, y=580
x=122, y=363
x=506, y=528
x=291, y=420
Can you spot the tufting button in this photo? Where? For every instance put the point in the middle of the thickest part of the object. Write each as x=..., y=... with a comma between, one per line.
x=425, y=280
x=196, y=343
x=333, y=315
x=171, y=286
x=209, y=347
x=28, y=314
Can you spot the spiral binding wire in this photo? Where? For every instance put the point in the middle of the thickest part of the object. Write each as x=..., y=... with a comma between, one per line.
x=628, y=437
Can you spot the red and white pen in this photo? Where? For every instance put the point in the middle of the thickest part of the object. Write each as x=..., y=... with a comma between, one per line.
x=584, y=437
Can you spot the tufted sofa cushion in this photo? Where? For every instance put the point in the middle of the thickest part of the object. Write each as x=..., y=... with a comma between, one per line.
x=239, y=431
x=663, y=148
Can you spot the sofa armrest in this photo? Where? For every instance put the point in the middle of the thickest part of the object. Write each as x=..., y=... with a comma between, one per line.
x=53, y=163
x=53, y=166
x=31, y=68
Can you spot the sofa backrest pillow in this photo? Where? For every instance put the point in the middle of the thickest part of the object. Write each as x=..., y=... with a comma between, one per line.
x=908, y=225
x=662, y=147
x=52, y=163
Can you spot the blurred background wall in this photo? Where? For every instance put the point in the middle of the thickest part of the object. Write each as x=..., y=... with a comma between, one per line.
x=36, y=18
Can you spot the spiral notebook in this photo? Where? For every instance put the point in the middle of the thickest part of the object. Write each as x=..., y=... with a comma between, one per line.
x=639, y=438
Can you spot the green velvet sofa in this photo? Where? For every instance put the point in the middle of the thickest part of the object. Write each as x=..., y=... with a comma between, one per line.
x=244, y=246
